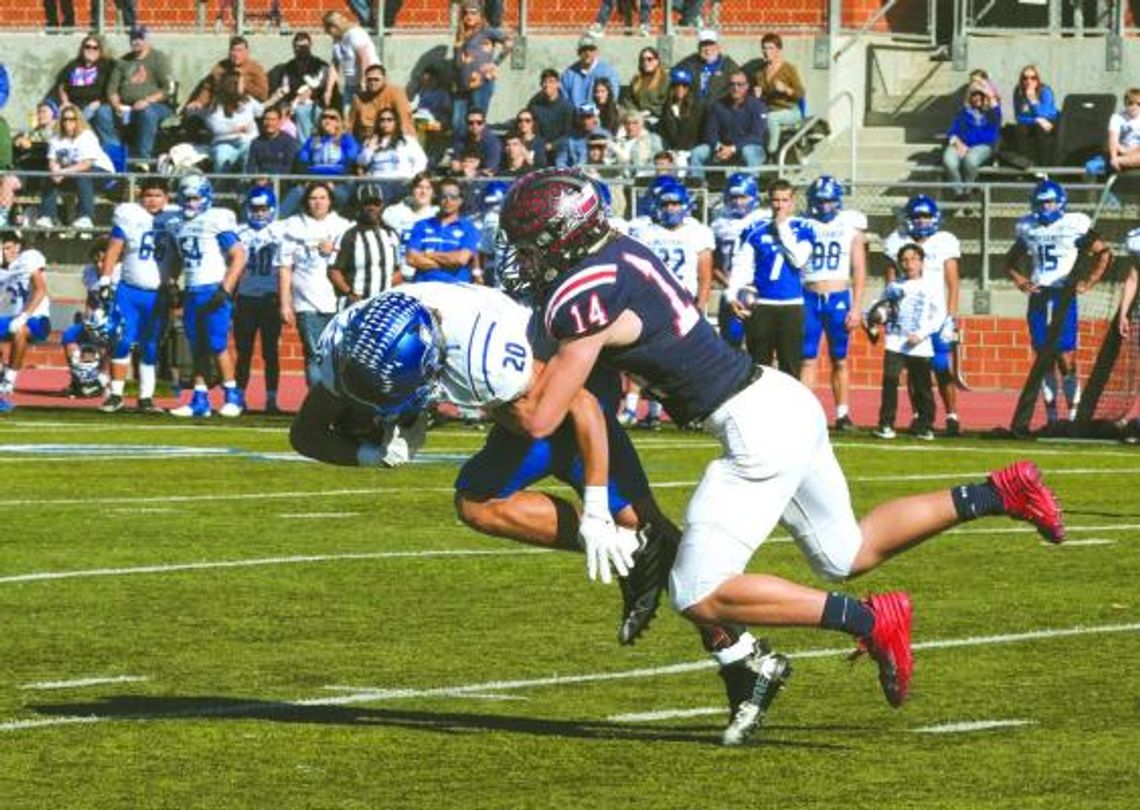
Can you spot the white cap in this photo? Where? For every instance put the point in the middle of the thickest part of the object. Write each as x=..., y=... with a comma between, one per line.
x=707, y=35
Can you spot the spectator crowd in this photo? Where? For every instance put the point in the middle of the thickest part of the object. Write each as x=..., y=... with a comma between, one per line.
x=367, y=185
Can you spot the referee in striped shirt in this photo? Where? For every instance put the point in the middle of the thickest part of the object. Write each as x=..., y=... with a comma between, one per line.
x=368, y=262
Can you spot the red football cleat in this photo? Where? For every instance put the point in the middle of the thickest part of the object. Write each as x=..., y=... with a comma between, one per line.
x=889, y=643
x=1026, y=497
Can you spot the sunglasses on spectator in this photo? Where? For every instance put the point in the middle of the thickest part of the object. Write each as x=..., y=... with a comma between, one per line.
x=1027, y=76
x=330, y=118
x=648, y=58
x=386, y=118
x=90, y=46
x=738, y=84
x=450, y=195
x=69, y=118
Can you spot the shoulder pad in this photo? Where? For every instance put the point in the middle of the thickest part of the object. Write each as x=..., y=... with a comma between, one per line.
x=582, y=302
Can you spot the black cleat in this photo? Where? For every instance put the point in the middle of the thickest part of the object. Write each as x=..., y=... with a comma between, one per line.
x=752, y=684
x=146, y=405
x=844, y=424
x=953, y=427
x=112, y=404
x=641, y=590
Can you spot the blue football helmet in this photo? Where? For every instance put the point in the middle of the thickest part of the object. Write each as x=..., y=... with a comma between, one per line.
x=195, y=195
x=493, y=194
x=605, y=194
x=390, y=356
x=741, y=194
x=1048, y=202
x=922, y=207
x=825, y=198
x=260, y=197
x=103, y=327
x=664, y=193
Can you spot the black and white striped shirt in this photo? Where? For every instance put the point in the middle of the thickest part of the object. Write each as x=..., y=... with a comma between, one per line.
x=369, y=257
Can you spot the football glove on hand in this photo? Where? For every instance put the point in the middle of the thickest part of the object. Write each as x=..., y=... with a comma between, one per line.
x=605, y=544
x=405, y=440
x=215, y=301
x=104, y=291
x=948, y=332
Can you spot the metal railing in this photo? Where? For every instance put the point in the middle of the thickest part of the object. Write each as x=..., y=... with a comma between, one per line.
x=815, y=120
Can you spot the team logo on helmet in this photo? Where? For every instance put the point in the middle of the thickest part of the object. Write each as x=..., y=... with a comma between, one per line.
x=923, y=218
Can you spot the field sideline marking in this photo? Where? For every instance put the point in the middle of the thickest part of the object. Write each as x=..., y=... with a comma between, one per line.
x=81, y=682
x=315, y=515
x=203, y=565
x=398, y=490
x=372, y=695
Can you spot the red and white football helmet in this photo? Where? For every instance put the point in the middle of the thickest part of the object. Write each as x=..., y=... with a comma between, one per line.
x=552, y=218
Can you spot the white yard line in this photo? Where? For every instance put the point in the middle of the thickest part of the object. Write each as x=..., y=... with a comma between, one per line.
x=256, y=562
x=206, y=565
x=379, y=694
x=664, y=714
x=317, y=515
x=79, y=683
x=105, y=500
x=971, y=725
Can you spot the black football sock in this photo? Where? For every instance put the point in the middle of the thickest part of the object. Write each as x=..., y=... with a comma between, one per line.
x=847, y=614
x=976, y=500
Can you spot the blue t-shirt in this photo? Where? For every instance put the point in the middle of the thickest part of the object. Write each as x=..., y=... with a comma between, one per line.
x=432, y=235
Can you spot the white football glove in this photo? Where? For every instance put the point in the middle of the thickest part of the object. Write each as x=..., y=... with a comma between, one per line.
x=404, y=441
x=948, y=332
x=605, y=544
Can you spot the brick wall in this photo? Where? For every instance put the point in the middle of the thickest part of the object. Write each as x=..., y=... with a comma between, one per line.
x=565, y=15
x=996, y=354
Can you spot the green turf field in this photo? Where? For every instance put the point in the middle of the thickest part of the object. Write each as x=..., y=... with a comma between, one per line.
x=193, y=619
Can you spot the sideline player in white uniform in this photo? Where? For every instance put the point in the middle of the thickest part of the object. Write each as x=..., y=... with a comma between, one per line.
x=83, y=342
x=25, y=309
x=684, y=245
x=256, y=310
x=141, y=243
x=833, y=287
x=739, y=211
x=1053, y=239
x=942, y=251
x=211, y=259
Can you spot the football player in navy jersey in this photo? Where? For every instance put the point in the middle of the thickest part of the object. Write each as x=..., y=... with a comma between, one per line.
x=607, y=299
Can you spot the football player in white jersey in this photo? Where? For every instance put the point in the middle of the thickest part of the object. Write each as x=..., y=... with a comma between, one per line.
x=210, y=259
x=833, y=287
x=684, y=245
x=82, y=346
x=141, y=245
x=256, y=310
x=24, y=307
x=393, y=355
x=740, y=210
x=1052, y=239
x=941, y=249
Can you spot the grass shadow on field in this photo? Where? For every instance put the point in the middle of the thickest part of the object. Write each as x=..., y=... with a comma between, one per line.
x=140, y=708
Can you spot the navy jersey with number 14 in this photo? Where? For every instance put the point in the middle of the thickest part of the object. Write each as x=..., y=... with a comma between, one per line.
x=678, y=353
